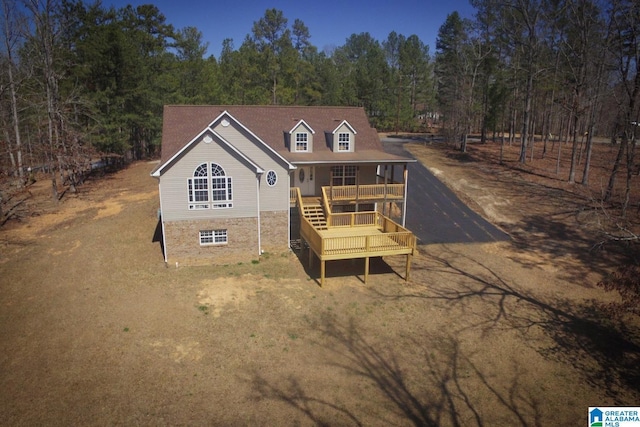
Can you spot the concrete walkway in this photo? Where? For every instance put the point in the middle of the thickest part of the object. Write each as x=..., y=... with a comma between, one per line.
x=434, y=213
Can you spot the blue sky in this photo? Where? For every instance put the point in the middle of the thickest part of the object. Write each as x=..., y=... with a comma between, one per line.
x=330, y=22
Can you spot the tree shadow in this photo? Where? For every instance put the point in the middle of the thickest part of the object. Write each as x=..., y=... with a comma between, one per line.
x=565, y=246
x=432, y=377
x=320, y=410
x=604, y=350
x=562, y=224
x=440, y=386
x=342, y=268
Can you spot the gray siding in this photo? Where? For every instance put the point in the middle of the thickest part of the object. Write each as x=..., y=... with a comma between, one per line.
x=274, y=198
x=301, y=128
x=366, y=175
x=344, y=129
x=174, y=193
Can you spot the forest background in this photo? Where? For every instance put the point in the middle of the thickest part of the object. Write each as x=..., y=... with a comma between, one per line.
x=80, y=82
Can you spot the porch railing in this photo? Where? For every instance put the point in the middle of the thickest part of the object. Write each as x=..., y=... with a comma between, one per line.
x=365, y=192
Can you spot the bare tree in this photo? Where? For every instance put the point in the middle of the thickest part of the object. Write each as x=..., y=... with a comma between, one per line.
x=580, y=49
x=45, y=35
x=12, y=22
x=625, y=24
x=522, y=25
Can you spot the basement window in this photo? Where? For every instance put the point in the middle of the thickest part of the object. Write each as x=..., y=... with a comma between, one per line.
x=213, y=237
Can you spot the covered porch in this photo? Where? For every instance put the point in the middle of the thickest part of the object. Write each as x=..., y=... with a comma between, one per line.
x=355, y=187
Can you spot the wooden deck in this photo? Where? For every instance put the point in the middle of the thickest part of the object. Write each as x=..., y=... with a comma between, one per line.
x=355, y=235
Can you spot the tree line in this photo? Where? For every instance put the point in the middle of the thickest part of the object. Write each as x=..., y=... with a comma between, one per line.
x=80, y=80
x=544, y=71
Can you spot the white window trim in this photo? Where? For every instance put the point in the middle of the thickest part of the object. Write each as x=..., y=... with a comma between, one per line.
x=342, y=174
x=306, y=142
x=228, y=194
x=341, y=141
x=217, y=237
x=193, y=203
x=210, y=202
x=275, y=175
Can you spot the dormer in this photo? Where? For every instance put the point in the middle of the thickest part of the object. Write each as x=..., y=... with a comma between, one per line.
x=344, y=138
x=301, y=138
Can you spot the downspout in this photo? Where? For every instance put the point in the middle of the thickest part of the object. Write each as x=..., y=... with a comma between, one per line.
x=164, y=236
x=289, y=204
x=258, y=208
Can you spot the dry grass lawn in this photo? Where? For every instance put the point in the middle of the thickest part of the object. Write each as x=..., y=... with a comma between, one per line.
x=97, y=331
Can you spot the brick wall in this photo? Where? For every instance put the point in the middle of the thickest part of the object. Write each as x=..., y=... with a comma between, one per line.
x=274, y=227
x=183, y=243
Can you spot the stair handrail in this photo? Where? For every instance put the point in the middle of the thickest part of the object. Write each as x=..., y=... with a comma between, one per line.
x=299, y=201
x=326, y=206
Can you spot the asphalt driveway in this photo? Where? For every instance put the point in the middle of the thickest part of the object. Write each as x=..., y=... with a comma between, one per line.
x=434, y=213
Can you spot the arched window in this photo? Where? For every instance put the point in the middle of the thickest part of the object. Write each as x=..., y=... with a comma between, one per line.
x=209, y=188
x=221, y=187
x=199, y=188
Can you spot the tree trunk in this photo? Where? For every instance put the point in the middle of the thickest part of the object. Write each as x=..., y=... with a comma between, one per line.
x=574, y=149
x=8, y=38
x=588, y=149
x=630, y=167
x=616, y=167
x=526, y=119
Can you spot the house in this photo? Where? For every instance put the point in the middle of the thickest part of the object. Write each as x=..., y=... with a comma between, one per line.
x=233, y=179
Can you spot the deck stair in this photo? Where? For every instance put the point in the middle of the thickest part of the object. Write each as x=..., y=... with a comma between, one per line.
x=315, y=214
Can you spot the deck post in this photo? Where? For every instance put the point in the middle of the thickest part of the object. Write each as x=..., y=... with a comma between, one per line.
x=310, y=258
x=404, y=199
x=331, y=187
x=322, y=271
x=407, y=268
x=384, y=201
x=366, y=269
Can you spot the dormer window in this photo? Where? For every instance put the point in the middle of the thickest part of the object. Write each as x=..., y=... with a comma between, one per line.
x=301, y=138
x=302, y=141
x=344, y=137
x=344, y=142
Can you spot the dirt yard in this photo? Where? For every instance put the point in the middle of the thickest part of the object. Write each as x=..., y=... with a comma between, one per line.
x=96, y=330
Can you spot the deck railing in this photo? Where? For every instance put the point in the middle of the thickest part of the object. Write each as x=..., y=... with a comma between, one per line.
x=326, y=206
x=383, y=237
x=310, y=234
x=354, y=219
x=394, y=238
x=367, y=246
x=365, y=192
x=294, y=192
